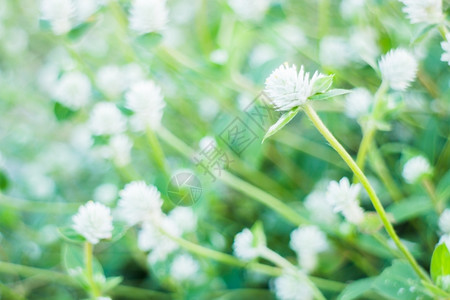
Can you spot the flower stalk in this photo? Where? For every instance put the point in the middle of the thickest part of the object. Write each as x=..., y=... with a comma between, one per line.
x=88, y=258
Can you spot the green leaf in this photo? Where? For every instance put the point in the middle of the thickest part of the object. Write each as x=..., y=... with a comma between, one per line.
x=440, y=262
x=329, y=94
x=148, y=40
x=322, y=84
x=120, y=229
x=111, y=283
x=410, y=208
x=421, y=33
x=259, y=237
x=62, y=112
x=400, y=282
x=356, y=289
x=4, y=180
x=45, y=25
x=70, y=235
x=282, y=121
x=78, y=31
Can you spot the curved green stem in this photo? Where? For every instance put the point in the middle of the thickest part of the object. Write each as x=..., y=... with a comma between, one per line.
x=88, y=257
x=431, y=191
x=315, y=119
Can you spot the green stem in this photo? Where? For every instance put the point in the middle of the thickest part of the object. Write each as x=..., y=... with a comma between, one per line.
x=315, y=119
x=443, y=31
x=156, y=151
x=88, y=257
x=431, y=191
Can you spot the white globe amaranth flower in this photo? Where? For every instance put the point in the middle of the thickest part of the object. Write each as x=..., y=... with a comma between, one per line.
x=444, y=221
x=139, y=202
x=59, y=14
x=243, y=246
x=184, y=267
x=106, y=119
x=291, y=287
x=336, y=52
x=253, y=10
x=184, y=217
x=342, y=196
x=415, y=168
x=110, y=80
x=398, y=68
x=73, y=90
x=423, y=11
x=307, y=242
x=288, y=88
x=146, y=101
x=357, y=103
x=445, y=57
x=94, y=222
x=148, y=16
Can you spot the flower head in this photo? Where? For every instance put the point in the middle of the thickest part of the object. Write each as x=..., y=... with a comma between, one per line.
x=288, y=88
x=73, y=90
x=291, y=287
x=184, y=267
x=146, y=101
x=423, y=11
x=357, y=103
x=307, y=242
x=148, y=15
x=398, y=68
x=319, y=208
x=415, y=168
x=343, y=197
x=243, y=245
x=106, y=119
x=446, y=47
x=59, y=14
x=139, y=202
x=94, y=222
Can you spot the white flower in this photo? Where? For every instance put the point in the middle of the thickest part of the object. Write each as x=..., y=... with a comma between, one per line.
x=148, y=15
x=307, y=242
x=291, y=287
x=444, y=221
x=184, y=267
x=73, y=90
x=110, y=80
x=120, y=146
x=357, y=103
x=423, y=11
x=398, y=68
x=59, y=14
x=319, y=208
x=364, y=41
x=184, y=217
x=85, y=8
x=446, y=47
x=336, y=52
x=105, y=193
x=250, y=10
x=106, y=119
x=243, y=245
x=288, y=88
x=94, y=222
x=145, y=99
x=150, y=238
x=139, y=202
x=415, y=168
x=343, y=197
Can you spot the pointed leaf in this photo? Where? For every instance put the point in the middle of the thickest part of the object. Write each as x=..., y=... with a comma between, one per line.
x=322, y=84
x=259, y=238
x=70, y=235
x=356, y=289
x=329, y=94
x=284, y=119
x=440, y=262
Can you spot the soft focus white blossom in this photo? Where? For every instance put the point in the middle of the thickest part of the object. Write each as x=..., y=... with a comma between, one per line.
x=415, y=168
x=110, y=80
x=106, y=119
x=184, y=217
x=336, y=52
x=398, y=68
x=105, y=193
x=148, y=16
x=319, y=208
x=243, y=245
x=357, y=102
x=250, y=10
x=291, y=287
x=288, y=88
x=73, y=90
x=444, y=221
x=59, y=14
x=94, y=222
x=307, y=242
x=364, y=42
x=446, y=48
x=85, y=8
x=146, y=101
x=343, y=197
x=184, y=267
x=423, y=11
x=139, y=202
